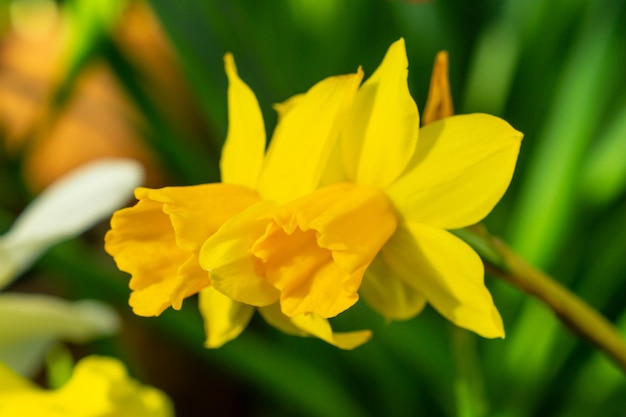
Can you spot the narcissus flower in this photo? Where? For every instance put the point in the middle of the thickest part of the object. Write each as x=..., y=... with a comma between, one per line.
x=351, y=199
x=99, y=387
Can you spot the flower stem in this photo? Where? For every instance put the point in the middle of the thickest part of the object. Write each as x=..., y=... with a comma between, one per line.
x=503, y=263
x=468, y=383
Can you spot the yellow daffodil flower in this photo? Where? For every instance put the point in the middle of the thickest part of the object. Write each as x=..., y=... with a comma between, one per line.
x=99, y=387
x=351, y=198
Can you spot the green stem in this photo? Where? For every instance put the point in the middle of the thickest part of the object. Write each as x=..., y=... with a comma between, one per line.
x=503, y=263
x=468, y=384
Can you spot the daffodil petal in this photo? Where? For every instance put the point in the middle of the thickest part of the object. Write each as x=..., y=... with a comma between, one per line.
x=312, y=325
x=448, y=273
x=461, y=168
x=286, y=106
x=381, y=132
x=389, y=296
x=227, y=257
x=197, y=211
x=439, y=101
x=224, y=318
x=30, y=324
x=193, y=280
x=304, y=138
x=154, y=299
x=334, y=172
x=244, y=149
x=65, y=209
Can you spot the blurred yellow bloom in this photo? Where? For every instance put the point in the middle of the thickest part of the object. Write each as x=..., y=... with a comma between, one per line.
x=345, y=202
x=99, y=387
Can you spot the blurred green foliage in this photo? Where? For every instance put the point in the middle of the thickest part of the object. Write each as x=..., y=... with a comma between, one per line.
x=554, y=70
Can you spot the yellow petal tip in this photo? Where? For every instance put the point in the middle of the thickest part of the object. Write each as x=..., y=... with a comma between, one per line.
x=351, y=340
x=230, y=67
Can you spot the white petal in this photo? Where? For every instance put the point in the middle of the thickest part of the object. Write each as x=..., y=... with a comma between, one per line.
x=68, y=207
x=30, y=323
